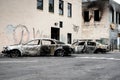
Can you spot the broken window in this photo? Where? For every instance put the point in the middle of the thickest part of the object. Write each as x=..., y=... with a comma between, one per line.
x=47, y=42
x=96, y=15
x=69, y=10
x=51, y=5
x=86, y=16
x=40, y=4
x=34, y=42
x=81, y=43
x=69, y=37
x=61, y=7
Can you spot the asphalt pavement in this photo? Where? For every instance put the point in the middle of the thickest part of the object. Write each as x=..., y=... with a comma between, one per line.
x=74, y=67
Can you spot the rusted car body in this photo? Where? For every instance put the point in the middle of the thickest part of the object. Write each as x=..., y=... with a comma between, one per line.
x=89, y=47
x=39, y=47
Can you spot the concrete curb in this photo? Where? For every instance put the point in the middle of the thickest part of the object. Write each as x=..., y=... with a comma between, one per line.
x=115, y=51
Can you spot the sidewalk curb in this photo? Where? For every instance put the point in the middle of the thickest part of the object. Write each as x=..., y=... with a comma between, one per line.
x=114, y=51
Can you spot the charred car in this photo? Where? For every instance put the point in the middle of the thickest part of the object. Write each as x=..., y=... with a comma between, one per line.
x=90, y=47
x=39, y=47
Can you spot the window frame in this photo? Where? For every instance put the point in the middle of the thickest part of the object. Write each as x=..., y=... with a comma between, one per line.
x=40, y=6
x=61, y=8
x=52, y=6
x=69, y=10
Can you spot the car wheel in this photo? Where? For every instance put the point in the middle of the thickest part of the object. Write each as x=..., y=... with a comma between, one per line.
x=98, y=51
x=14, y=53
x=59, y=53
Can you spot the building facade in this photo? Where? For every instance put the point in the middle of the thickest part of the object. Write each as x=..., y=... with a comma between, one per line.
x=23, y=20
x=101, y=20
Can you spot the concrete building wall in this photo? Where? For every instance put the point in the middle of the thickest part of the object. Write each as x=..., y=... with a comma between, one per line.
x=20, y=21
x=96, y=30
x=108, y=26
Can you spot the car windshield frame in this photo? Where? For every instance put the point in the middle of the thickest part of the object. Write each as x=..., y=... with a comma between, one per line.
x=59, y=42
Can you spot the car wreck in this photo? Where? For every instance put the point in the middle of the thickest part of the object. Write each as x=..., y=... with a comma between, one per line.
x=38, y=47
x=90, y=47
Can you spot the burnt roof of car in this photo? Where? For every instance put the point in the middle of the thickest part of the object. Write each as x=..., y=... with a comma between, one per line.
x=44, y=39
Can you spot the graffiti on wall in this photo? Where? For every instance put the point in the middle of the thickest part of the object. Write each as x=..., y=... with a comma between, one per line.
x=39, y=34
x=75, y=28
x=21, y=34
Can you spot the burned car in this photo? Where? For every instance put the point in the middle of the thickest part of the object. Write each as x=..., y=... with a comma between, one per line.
x=90, y=47
x=39, y=47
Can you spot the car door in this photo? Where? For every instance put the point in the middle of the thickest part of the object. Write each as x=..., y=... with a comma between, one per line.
x=90, y=47
x=32, y=48
x=47, y=47
x=79, y=46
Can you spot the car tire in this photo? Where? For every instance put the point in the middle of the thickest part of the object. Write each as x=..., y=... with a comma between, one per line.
x=59, y=52
x=98, y=51
x=14, y=53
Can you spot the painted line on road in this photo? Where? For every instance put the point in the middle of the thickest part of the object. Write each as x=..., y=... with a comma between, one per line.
x=99, y=58
x=19, y=61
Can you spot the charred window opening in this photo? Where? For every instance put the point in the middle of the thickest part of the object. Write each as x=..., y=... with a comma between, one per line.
x=86, y=16
x=40, y=4
x=61, y=4
x=96, y=15
x=69, y=37
x=51, y=5
x=100, y=5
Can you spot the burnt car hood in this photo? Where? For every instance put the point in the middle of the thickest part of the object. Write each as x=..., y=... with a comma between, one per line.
x=15, y=46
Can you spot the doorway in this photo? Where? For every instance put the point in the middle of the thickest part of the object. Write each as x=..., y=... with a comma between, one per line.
x=69, y=38
x=55, y=33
